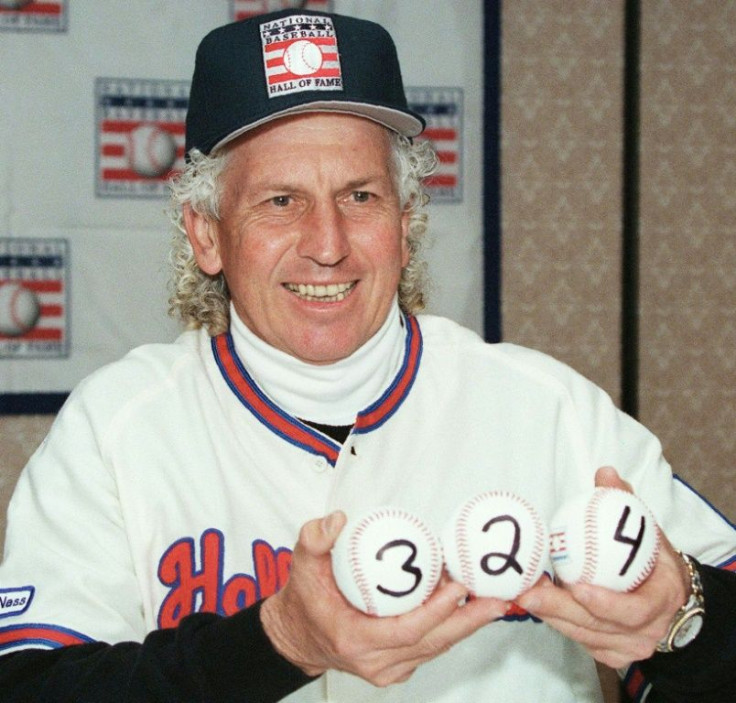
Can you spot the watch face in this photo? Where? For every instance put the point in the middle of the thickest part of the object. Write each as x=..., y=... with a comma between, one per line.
x=688, y=630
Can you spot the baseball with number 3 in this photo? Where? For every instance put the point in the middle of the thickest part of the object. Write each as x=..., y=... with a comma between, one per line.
x=387, y=561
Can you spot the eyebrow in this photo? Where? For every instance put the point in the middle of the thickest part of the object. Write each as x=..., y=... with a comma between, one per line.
x=355, y=184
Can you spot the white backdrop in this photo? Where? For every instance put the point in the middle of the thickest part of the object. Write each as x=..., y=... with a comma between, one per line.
x=86, y=231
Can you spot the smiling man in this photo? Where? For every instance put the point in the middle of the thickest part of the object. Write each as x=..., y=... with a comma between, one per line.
x=311, y=237
x=170, y=541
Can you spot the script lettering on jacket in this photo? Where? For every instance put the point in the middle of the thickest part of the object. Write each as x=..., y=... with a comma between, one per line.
x=204, y=589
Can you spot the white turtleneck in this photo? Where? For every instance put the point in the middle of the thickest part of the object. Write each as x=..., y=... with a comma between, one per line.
x=331, y=394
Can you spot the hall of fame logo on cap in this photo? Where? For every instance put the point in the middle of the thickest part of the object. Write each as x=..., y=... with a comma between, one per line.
x=243, y=9
x=140, y=135
x=34, y=298
x=34, y=15
x=300, y=53
x=442, y=108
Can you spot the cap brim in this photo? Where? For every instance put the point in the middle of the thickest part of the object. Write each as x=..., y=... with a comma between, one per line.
x=404, y=123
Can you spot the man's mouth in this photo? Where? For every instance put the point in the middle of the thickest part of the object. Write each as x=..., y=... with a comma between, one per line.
x=330, y=293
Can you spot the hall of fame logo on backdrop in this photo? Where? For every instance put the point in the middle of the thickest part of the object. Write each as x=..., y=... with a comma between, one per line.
x=140, y=135
x=242, y=9
x=442, y=108
x=34, y=298
x=34, y=15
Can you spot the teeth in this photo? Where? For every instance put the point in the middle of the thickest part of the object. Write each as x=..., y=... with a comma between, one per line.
x=334, y=292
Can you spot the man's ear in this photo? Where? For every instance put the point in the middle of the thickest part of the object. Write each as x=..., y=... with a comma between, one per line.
x=202, y=234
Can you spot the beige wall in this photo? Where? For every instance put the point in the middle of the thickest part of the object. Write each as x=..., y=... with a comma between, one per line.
x=688, y=240
x=562, y=142
x=561, y=156
x=19, y=437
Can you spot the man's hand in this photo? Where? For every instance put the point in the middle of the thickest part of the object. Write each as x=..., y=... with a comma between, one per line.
x=311, y=624
x=616, y=628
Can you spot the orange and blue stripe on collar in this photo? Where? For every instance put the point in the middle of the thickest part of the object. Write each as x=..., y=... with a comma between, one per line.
x=292, y=429
x=380, y=411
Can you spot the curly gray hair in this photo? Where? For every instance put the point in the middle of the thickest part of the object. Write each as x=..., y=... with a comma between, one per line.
x=200, y=300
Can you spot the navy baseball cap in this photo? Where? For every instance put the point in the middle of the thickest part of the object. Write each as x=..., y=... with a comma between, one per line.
x=289, y=62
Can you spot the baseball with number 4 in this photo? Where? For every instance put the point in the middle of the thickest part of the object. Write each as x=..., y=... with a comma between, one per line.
x=607, y=537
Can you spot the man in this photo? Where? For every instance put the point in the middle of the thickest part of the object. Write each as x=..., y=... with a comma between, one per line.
x=150, y=538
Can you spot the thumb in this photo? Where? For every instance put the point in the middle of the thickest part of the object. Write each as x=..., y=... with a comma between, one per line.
x=317, y=537
x=607, y=477
x=332, y=525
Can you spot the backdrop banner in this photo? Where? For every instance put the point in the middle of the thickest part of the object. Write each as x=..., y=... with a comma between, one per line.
x=92, y=105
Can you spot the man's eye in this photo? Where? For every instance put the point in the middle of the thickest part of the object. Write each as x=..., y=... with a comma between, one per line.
x=361, y=196
x=281, y=200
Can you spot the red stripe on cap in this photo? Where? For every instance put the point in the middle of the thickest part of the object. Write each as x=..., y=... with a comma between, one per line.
x=283, y=45
x=321, y=73
x=278, y=61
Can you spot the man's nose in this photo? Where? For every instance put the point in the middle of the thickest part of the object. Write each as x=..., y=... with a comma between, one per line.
x=324, y=237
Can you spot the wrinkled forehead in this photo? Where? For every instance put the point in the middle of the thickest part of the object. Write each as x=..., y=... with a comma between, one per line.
x=324, y=147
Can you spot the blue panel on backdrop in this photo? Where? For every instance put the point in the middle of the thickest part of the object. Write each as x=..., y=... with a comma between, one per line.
x=492, y=170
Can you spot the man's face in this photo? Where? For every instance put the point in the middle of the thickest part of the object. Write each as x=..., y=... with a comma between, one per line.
x=311, y=238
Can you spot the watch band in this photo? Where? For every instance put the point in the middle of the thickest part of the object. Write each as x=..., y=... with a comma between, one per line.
x=688, y=620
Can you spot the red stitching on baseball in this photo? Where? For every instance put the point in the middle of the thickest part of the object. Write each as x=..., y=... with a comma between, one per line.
x=590, y=553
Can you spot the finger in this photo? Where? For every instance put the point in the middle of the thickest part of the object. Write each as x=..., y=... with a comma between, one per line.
x=317, y=537
x=558, y=607
x=612, y=611
x=607, y=477
x=463, y=622
x=444, y=619
x=410, y=628
x=650, y=607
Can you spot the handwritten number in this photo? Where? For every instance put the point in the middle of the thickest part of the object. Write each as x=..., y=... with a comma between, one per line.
x=407, y=566
x=510, y=561
x=635, y=543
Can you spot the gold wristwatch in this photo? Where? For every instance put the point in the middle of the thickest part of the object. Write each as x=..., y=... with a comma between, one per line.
x=688, y=620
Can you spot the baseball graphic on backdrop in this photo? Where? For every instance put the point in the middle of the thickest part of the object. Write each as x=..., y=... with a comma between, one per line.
x=303, y=58
x=19, y=309
x=496, y=545
x=151, y=150
x=606, y=537
x=387, y=561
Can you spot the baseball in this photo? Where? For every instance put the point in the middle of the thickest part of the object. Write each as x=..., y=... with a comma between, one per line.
x=495, y=545
x=607, y=538
x=19, y=309
x=387, y=561
x=303, y=58
x=151, y=150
